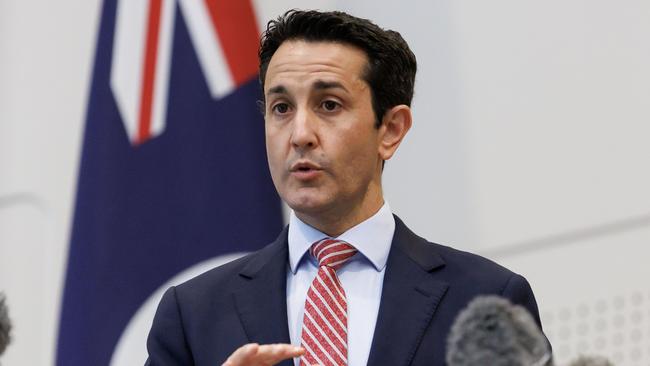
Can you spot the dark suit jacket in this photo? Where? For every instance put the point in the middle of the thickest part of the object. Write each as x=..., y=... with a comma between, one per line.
x=204, y=320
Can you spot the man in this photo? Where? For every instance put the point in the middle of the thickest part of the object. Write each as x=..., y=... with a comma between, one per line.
x=346, y=282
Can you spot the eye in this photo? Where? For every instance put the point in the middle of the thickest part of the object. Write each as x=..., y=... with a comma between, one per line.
x=330, y=105
x=280, y=108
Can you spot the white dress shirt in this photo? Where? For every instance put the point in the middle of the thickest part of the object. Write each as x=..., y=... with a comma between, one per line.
x=362, y=277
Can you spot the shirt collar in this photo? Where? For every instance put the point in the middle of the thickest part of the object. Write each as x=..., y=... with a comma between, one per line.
x=372, y=238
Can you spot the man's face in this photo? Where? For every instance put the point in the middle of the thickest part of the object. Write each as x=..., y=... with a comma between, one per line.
x=321, y=141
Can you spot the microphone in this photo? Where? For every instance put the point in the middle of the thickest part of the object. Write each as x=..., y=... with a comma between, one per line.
x=492, y=331
x=5, y=325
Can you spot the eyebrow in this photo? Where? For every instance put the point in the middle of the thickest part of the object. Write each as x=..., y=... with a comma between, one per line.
x=318, y=85
x=280, y=89
x=321, y=85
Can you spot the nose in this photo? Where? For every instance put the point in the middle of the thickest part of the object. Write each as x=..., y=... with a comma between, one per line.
x=304, y=135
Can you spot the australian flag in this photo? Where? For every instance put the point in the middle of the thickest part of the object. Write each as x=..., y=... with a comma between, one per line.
x=173, y=176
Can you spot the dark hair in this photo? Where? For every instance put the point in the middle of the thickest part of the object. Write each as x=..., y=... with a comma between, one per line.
x=391, y=63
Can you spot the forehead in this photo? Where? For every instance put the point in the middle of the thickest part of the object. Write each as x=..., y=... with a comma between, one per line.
x=299, y=61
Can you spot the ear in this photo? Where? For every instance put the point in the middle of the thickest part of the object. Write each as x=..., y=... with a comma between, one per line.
x=395, y=124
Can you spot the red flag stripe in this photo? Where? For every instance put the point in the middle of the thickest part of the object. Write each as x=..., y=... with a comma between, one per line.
x=149, y=70
x=235, y=25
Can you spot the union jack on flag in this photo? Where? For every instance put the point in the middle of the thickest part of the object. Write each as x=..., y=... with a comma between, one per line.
x=224, y=35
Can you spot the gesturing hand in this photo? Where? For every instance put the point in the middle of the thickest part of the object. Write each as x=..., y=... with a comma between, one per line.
x=253, y=354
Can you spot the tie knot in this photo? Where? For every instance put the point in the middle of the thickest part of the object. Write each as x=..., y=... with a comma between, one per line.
x=331, y=252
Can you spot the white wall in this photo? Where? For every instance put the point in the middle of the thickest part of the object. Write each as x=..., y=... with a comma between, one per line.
x=45, y=62
x=529, y=146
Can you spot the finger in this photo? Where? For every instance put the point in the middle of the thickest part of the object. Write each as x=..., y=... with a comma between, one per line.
x=243, y=355
x=270, y=354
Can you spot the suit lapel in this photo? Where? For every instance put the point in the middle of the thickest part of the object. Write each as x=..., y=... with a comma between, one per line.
x=261, y=301
x=409, y=298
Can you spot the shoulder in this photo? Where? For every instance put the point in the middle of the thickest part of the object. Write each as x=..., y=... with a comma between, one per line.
x=475, y=275
x=471, y=266
x=466, y=274
x=457, y=267
x=191, y=316
x=442, y=258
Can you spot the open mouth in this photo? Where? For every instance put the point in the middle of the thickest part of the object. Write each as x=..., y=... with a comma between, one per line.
x=305, y=170
x=304, y=166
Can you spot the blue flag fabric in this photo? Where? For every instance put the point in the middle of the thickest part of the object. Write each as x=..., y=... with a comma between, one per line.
x=147, y=211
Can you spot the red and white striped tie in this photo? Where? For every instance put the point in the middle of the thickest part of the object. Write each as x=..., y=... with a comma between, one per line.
x=325, y=325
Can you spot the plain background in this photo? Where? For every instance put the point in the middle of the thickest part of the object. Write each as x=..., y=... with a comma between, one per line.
x=530, y=146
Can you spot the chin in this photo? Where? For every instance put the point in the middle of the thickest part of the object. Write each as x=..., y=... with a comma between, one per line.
x=306, y=204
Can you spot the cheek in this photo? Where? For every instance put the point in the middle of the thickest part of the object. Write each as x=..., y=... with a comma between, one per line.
x=358, y=162
x=361, y=147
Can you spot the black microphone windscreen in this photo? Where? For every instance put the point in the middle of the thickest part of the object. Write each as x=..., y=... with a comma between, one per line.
x=492, y=331
x=5, y=325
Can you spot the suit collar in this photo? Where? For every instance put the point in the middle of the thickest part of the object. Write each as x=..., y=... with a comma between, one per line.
x=409, y=298
x=404, y=240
